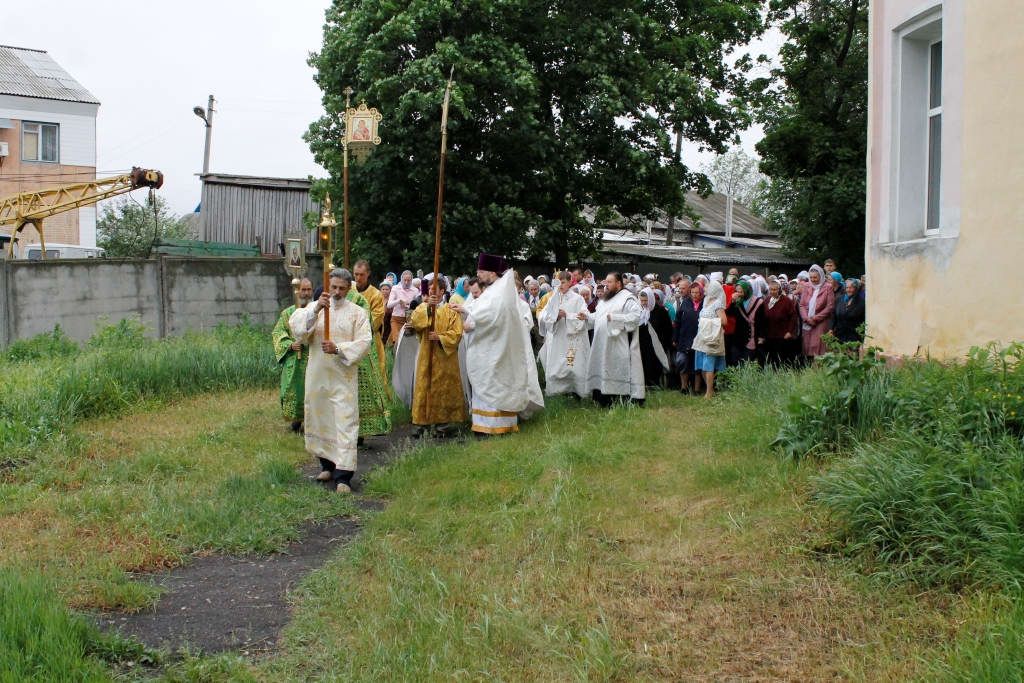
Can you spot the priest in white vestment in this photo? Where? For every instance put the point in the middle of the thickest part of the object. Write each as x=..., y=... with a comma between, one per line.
x=499, y=346
x=565, y=355
x=616, y=370
x=332, y=378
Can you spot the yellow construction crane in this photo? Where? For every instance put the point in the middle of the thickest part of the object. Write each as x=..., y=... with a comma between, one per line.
x=30, y=208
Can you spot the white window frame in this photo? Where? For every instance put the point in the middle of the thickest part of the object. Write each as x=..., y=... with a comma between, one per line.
x=908, y=113
x=932, y=113
x=39, y=132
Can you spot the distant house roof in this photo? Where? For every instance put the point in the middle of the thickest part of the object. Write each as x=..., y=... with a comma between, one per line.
x=299, y=184
x=696, y=255
x=711, y=210
x=33, y=73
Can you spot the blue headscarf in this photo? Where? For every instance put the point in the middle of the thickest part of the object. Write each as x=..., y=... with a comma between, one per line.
x=460, y=287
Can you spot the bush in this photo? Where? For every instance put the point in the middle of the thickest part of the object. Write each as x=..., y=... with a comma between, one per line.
x=54, y=344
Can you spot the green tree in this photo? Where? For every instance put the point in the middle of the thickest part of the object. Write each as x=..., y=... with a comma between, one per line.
x=127, y=228
x=556, y=106
x=815, y=117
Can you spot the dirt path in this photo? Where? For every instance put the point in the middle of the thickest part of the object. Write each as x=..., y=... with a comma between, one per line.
x=224, y=602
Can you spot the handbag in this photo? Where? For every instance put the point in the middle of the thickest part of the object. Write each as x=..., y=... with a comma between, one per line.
x=710, y=338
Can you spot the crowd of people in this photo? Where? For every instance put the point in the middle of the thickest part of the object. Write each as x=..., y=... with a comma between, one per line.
x=478, y=348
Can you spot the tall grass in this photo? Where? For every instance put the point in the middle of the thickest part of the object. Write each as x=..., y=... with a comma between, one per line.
x=48, y=386
x=932, y=485
x=40, y=640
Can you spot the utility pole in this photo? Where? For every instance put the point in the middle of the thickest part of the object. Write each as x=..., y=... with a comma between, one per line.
x=207, y=117
x=669, y=232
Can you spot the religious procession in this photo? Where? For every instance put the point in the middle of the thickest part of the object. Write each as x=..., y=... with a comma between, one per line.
x=483, y=351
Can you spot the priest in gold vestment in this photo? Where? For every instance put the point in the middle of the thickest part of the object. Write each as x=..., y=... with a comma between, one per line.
x=437, y=400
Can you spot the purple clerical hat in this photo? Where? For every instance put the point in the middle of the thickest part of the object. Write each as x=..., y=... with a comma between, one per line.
x=495, y=264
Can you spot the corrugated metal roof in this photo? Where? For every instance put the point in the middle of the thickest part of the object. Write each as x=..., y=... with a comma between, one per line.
x=33, y=73
x=696, y=255
x=298, y=184
x=711, y=210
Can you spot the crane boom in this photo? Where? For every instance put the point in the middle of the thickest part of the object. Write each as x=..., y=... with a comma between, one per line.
x=30, y=208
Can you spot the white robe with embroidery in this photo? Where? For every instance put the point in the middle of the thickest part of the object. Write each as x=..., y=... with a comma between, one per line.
x=616, y=368
x=559, y=336
x=498, y=349
x=332, y=381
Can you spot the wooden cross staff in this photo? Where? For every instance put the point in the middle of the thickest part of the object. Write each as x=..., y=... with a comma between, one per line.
x=431, y=310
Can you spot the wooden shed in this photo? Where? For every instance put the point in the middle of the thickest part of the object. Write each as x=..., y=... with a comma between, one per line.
x=252, y=210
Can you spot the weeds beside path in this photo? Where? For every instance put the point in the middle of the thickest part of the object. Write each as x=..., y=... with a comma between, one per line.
x=659, y=543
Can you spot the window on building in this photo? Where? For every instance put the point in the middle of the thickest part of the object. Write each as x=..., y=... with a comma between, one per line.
x=934, y=133
x=916, y=139
x=40, y=141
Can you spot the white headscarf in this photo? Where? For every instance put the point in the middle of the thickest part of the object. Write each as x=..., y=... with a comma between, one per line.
x=714, y=299
x=812, y=304
x=717, y=276
x=645, y=314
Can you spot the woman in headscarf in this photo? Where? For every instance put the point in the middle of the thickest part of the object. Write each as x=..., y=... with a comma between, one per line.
x=817, y=304
x=686, y=329
x=776, y=327
x=709, y=344
x=661, y=324
x=838, y=284
x=652, y=353
x=741, y=344
x=460, y=293
x=849, y=315
x=385, y=293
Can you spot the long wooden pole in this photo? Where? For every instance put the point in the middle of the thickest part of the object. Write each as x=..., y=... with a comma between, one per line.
x=439, y=215
x=344, y=182
x=438, y=219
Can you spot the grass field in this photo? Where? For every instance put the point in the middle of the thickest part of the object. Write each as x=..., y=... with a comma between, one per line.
x=663, y=543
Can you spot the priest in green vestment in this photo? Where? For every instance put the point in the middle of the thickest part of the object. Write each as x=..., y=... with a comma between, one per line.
x=292, y=356
x=374, y=403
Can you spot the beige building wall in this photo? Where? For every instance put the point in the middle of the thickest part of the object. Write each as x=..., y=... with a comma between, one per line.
x=940, y=292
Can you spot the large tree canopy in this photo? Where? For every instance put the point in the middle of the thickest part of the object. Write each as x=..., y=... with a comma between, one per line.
x=815, y=144
x=556, y=106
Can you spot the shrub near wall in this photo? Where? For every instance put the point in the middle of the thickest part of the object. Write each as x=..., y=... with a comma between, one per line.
x=929, y=485
x=49, y=385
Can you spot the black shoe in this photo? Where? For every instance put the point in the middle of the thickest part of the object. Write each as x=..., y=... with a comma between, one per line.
x=297, y=426
x=359, y=441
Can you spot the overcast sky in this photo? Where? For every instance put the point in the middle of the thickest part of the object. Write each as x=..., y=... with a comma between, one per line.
x=150, y=64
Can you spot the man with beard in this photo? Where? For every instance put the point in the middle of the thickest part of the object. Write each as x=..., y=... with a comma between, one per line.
x=292, y=356
x=566, y=350
x=615, y=371
x=361, y=272
x=332, y=378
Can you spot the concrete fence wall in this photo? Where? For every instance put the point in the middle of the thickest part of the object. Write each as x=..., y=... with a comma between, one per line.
x=169, y=295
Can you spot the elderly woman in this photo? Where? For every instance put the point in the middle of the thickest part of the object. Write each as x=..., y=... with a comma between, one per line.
x=817, y=304
x=652, y=351
x=776, y=327
x=399, y=303
x=741, y=341
x=849, y=315
x=686, y=329
x=709, y=344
